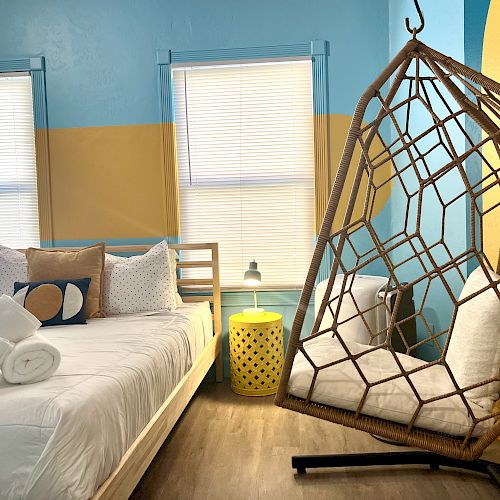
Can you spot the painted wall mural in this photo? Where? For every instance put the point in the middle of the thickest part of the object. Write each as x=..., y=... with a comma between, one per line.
x=108, y=179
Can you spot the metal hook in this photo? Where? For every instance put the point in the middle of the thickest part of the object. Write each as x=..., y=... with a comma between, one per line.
x=414, y=31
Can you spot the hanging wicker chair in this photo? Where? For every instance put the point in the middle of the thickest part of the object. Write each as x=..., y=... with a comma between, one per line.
x=463, y=110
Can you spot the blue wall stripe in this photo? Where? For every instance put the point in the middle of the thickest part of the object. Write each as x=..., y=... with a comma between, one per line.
x=101, y=68
x=264, y=298
x=112, y=241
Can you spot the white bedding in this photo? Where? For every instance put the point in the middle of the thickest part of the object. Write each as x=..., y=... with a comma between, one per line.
x=61, y=438
x=341, y=386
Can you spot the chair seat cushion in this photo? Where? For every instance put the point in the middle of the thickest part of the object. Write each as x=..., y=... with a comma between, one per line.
x=342, y=386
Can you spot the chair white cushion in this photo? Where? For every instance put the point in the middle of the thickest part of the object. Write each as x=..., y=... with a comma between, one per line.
x=140, y=283
x=13, y=267
x=474, y=349
x=341, y=386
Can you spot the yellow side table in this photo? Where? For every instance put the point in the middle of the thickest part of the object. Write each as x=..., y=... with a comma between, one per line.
x=256, y=349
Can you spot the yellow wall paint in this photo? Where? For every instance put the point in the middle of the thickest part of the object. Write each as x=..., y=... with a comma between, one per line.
x=339, y=127
x=491, y=68
x=114, y=182
x=108, y=182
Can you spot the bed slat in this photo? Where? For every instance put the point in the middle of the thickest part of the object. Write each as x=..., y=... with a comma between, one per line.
x=194, y=281
x=194, y=263
x=197, y=298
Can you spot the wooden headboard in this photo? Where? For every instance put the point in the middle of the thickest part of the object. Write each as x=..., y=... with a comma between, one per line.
x=211, y=286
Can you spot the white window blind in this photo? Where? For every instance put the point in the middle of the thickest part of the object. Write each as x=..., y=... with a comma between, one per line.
x=18, y=187
x=246, y=166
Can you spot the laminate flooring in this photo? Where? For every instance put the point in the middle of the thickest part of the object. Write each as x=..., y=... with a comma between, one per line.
x=233, y=447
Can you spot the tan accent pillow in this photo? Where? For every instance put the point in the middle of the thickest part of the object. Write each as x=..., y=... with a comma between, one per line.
x=71, y=264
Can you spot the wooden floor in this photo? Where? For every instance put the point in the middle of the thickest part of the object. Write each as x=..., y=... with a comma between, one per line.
x=233, y=447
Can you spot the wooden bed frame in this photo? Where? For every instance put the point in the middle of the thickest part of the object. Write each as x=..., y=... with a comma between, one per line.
x=137, y=458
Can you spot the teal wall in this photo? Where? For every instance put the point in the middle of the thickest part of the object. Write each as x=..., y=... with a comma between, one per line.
x=456, y=29
x=100, y=55
x=475, y=13
x=444, y=31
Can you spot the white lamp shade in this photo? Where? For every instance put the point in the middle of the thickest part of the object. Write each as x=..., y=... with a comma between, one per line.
x=252, y=276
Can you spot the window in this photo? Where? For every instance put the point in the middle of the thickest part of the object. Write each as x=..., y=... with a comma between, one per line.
x=246, y=166
x=18, y=181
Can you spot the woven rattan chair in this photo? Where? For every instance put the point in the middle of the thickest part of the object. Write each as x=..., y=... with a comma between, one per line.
x=463, y=110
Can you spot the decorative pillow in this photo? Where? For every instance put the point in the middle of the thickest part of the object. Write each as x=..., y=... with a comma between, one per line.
x=58, y=302
x=46, y=265
x=13, y=267
x=474, y=349
x=140, y=283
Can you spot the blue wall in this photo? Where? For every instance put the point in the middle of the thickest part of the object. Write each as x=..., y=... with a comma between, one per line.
x=475, y=13
x=100, y=55
x=456, y=29
x=443, y=31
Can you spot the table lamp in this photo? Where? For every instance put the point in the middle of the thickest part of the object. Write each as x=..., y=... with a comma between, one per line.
x=253, y=278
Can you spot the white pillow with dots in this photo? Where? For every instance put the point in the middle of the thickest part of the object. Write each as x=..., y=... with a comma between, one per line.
x=142, y=283
x=13, y=267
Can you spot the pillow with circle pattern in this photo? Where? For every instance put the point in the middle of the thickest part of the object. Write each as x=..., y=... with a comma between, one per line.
x=58, y=302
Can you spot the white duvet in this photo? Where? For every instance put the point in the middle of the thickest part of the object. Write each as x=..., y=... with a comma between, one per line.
x=61, y=438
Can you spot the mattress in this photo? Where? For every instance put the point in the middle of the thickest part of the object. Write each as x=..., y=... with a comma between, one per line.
x=341, y=386
x=61, y=438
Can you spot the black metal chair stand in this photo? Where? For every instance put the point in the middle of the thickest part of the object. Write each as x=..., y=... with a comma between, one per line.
x=303, y=462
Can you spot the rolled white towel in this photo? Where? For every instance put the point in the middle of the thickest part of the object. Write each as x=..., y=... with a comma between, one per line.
x=31, y=360
x=5, y=349
x=16, y=323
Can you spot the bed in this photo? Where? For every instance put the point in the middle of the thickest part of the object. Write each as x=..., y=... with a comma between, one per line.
x=92, y=429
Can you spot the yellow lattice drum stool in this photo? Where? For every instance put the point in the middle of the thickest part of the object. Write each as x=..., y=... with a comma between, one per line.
x=256, y=348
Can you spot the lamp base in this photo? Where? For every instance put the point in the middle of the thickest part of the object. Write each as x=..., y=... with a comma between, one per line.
x=253, y=310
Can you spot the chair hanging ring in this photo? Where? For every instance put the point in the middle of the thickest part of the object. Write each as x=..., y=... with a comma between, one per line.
x=414, y=31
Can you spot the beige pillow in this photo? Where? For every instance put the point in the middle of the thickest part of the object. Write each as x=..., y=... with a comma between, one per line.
x=71, y=264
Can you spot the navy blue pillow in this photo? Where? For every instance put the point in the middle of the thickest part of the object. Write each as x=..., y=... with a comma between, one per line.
x=59, y=302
